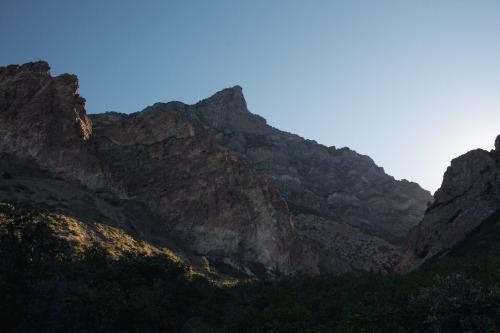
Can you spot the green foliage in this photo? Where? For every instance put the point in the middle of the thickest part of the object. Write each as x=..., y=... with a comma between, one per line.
x=46, y=288
x=210, y=270
x=7, y=211
x=30, y=256
x=456, y=303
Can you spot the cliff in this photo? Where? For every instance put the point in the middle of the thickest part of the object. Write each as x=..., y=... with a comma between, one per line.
x=43, y=121
x=184, y=175
x=467, y=201
x=199, y=194
x=337, y=183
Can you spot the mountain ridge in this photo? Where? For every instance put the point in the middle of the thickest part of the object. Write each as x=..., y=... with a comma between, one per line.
x=211, y=184
x=198, y=192
x=273, y=152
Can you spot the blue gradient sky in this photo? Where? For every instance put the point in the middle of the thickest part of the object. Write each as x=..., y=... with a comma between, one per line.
x=412, y=84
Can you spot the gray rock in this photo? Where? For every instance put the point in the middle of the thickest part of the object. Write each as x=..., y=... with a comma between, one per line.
x=468, y=196
x=197, y=194
x=338, y=183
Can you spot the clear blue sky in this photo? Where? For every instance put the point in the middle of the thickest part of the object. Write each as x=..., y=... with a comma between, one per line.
x=412, y=84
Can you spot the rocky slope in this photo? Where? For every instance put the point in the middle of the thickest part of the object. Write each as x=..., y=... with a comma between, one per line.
x=467, y=201
x=205, y=196
x=353, y=249
x=197, y=192
x=336, y=183
x=170, y=181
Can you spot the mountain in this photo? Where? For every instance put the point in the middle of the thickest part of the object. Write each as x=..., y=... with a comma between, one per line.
x=465, y=215
x=136, y=222
x=196, y=192
x=203, y=180
x=338, y=184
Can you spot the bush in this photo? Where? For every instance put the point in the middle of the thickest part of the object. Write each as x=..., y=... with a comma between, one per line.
x=46, y=289
x=457, y=304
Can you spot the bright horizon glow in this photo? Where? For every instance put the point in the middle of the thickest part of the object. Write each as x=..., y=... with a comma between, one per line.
x=410, y=84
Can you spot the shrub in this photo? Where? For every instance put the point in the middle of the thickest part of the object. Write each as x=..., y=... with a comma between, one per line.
x=456, y=303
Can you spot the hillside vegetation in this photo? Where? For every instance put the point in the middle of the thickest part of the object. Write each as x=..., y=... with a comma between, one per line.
x=59, y=275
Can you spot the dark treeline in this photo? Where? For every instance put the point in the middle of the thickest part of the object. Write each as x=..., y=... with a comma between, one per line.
x=46, y=287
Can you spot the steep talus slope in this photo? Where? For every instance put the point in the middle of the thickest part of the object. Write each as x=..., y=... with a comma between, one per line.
x=467, y=202
x=337, y=183
x=200, y=194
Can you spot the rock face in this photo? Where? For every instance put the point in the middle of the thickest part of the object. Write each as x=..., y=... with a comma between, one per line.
x=205, y=196
x=214, y=202
x=194, y=189
x=469, y=196
x=167, y=165
x=43, y=120
x=353, y=250
x=29, y=92
x=337, y=183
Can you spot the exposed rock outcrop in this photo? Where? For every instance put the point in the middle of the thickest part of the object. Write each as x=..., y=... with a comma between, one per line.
x=353, y=250
x=205, y=196
x=28, y=93
x=43, y=120
x=339, y=183
x=168, y=161
x=201, y=195
x=468, y=196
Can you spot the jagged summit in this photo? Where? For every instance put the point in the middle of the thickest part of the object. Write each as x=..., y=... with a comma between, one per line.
x=30, y=91
x=339, y=183
x=224, y=107
x=196, y=194
x=188, y=166
x=230, y=97
x=40, y=67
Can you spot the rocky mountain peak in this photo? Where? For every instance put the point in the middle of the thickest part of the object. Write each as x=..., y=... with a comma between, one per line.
x=230, y=98
x=41, y=111
x=38, y=67
x=497, y=143
x=193, y=168
x=43, y=120
x=198, y=195
x=338, y=183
